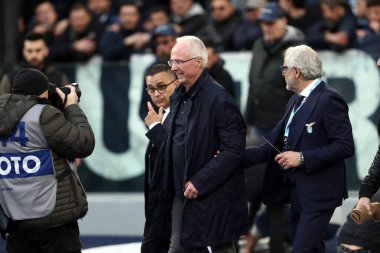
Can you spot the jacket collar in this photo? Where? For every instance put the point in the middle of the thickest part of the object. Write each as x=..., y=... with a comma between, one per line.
x=193, y=91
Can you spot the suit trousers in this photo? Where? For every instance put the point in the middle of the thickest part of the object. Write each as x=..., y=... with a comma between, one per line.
x=175, y=244
x=308, y=227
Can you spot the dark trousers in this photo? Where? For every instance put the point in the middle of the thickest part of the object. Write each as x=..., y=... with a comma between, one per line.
x=276, y=228
x=175, y=245
x=155, y=244
x=308, y=228
x=61, y=239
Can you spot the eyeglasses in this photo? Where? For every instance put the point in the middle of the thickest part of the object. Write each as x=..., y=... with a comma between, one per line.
x=171, y=63
x=221, y=8
x=283, y=69
x=160, y=88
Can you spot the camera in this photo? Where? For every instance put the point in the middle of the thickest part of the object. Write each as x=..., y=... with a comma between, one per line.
x=56, y=100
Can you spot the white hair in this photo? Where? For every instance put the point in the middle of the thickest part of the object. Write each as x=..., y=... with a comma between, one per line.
x=197, y=47
x=306, y=60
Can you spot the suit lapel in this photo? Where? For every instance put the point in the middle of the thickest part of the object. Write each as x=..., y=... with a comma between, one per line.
x=277, y=135
x=166, y=122
x=304, y=114
x=279, y=130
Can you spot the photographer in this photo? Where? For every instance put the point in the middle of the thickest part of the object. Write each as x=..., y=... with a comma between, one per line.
x=40, y=191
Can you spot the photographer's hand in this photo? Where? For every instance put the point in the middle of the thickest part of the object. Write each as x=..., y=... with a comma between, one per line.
x=71, y=98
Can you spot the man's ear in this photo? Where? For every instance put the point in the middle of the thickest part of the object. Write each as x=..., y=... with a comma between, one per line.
x=298, y=72
x=200, y=62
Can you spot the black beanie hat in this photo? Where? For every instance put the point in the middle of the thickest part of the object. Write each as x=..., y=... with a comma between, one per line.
x=28, y=81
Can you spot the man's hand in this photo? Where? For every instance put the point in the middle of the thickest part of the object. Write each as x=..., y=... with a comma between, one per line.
x=152, y=116
x=190, y=191
x=288, y=159
x=72, y=97
x=85, y=46
x=366, y=202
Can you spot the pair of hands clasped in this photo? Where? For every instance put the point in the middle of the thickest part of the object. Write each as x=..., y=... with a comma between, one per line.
x=288, y=159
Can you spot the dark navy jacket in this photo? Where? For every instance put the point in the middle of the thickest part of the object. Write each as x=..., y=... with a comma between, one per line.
x=321, y=181
x=157, y=209
x=219, y=214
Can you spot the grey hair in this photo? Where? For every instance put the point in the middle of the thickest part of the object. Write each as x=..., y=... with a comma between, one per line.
x=197, y=47
x=306, y=60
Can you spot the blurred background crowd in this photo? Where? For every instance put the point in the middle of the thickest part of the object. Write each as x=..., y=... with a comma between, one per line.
x=116, y=29
x=75, y=31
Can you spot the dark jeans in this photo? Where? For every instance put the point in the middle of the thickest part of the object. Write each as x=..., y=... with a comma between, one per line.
x=61, y=239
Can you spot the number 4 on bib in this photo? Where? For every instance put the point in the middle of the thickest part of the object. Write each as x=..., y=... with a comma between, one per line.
x=17, y=136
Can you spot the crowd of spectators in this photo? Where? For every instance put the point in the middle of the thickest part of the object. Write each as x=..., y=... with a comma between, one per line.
x=76, y=30
x=116, y=29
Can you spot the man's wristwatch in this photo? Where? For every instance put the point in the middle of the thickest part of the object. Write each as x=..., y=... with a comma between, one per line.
x=301, y=159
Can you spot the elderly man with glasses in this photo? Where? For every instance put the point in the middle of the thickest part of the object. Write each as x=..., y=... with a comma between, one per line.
x=306, y=151
x=209, y=207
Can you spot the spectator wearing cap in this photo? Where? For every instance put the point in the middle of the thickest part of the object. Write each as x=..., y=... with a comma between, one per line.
x=249, y=29
x=301, y=15
x=267, y=99
x=164, y=38
x=126, y=38
x=42, y=202
x=226, y=19
x=336, y=31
